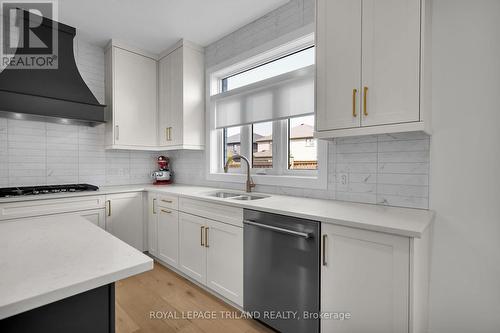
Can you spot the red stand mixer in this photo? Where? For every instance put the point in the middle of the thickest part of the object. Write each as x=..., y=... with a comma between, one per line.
x=163, y=176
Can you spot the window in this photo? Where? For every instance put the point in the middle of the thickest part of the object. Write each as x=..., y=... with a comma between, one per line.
x=232, y=145
x=266, y=113
x=273, y=68
x=262, y=145
x=302, y=150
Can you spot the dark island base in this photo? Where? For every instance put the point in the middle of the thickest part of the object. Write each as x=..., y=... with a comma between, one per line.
x=91, y=311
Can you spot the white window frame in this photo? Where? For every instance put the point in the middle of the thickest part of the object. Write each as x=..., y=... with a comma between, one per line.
x=278, y=176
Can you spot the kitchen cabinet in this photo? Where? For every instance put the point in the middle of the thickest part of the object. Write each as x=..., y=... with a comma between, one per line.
x=152, y=224
x=97, y=216
x=181, y=89
x=41, y=207
x=168, y=239
x=163, y=228
x=124, y=218
x=372, y=67
x=211, y=253
x=131, y=98
x=375, y=277
x=224, y=245
x=192, y=250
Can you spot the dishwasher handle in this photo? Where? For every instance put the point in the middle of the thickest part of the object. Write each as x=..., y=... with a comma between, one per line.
x=278, y=229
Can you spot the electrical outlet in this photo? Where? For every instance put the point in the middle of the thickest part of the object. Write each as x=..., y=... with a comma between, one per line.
x=342, y=181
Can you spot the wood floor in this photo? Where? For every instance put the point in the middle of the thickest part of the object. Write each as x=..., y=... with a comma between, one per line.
x=178, y=301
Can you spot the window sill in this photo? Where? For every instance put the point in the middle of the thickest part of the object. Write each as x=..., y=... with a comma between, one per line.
x=318, y=182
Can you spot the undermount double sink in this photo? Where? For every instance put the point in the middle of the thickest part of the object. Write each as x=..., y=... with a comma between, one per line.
x=236, y=196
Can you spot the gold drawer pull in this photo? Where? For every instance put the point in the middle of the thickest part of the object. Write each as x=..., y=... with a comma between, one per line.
x=166, y=211
x=108, y=202
x=354, y=93
x=167, y=201
x=365, y=108
x=325, y=239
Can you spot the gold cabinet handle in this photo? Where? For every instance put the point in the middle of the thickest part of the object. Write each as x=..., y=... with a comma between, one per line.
x=354, y=93
x=168, y=133
x=108, y=203
x=325, y=239
x=202, y=229
x=117, y=132
x=153, y=208
x=365, y=108
x=167, y=201
x=206, y=237
x=166, y=211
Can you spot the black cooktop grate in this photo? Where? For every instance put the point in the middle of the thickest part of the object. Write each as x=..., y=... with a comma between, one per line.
x=45, y=189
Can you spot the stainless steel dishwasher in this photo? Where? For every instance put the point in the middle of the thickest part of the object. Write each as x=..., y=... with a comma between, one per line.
x=282, y=271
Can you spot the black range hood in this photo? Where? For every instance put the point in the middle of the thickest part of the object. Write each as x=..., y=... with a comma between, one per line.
x=57, y=95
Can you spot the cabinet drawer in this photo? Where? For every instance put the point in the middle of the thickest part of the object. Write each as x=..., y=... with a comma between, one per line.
x=168, y=201
x=40, y=207
x=213, y=211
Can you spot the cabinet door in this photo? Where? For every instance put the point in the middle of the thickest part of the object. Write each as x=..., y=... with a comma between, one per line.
x=164, y=100
x=225, y=260
x=134, y=99
x=168, y=236
x=338, y=64
x=366, y=274
x=192, y=251
x=170, y=99
x=391, y=61
x=152, y=224
x=125, y=218
x=97, y=216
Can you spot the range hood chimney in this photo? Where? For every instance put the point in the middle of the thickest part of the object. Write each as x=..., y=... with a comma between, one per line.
x=56, y=95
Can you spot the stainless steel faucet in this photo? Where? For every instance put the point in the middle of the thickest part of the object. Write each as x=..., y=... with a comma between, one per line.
x=250, y=183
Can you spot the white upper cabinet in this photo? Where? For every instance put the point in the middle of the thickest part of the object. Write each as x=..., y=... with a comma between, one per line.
x=370, y=67
x=155, y=102
x=338, y=59
x=181, y=97
x=131, y=98
x=391, y=61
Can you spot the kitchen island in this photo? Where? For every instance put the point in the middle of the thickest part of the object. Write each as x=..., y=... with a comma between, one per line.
x=58, y=274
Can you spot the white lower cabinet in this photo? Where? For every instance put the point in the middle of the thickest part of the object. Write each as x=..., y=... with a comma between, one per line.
x=168, y=239
x=366, y=274
x=152, y=224
x=163, y=229
x=192, y=250
x=96, y=216
x=124, y=218
x=225, y=260
x=211, y=253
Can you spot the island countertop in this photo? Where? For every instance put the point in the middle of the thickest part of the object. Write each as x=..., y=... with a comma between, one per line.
x=46, y=259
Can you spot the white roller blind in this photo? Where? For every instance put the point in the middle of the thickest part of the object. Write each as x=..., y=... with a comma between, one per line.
x=287, y=95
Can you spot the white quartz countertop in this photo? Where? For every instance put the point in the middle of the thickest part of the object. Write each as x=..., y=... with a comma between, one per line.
x=45, y=259
x=394, y=220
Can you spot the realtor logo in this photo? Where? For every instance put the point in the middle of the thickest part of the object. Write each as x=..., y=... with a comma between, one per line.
x=29, y=34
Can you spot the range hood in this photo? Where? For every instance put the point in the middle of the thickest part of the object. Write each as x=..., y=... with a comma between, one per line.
x=57, y=95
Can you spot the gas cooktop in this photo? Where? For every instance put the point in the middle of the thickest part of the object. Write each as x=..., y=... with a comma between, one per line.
x=45, y=189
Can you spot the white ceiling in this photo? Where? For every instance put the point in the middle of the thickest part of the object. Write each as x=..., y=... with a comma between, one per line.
x=155, y=25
